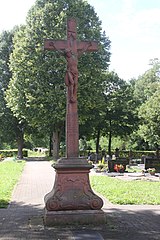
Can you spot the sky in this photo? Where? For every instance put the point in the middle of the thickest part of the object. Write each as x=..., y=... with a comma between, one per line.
x=133, y=27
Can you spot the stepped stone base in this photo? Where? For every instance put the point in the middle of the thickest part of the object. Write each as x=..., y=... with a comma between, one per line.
x=74, y=217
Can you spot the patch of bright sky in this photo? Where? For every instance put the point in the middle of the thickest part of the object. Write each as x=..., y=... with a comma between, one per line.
x=133, y=26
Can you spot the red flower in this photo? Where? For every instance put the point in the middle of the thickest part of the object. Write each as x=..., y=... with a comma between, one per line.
x=118, y=167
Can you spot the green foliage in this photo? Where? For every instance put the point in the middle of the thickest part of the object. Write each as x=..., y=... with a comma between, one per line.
x=37, y=91
x=10, y=130
x=148, y=86
x=12, y=153
x=115, y=114
x=127, y=192
x=9, y=174
x=120, y=106
x=150, y=115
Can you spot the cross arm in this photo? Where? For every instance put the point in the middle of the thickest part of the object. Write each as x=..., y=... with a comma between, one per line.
x=89, y=46
x=54, y=45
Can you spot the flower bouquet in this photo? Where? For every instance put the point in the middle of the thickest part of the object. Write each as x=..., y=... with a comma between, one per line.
x=119, y=168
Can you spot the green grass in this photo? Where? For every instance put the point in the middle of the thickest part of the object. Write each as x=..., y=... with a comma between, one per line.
x=10, y=172
x=127, y=192
x=36, y=154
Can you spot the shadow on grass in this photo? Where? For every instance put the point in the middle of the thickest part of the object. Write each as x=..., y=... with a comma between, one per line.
x=20, y=221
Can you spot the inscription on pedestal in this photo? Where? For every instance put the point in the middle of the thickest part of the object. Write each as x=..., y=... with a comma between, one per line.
x=72, y=191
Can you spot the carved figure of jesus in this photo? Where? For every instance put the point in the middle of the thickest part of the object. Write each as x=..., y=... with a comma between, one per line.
x=71, y=77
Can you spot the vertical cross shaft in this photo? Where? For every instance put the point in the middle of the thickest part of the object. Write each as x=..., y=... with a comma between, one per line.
x=72, y=129
x=71, y=50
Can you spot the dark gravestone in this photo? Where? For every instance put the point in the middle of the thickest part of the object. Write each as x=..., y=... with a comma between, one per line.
x=152, y=162
x=72, y=191
x=118, y=161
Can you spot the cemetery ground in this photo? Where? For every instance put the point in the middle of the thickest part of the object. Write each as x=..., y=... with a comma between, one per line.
x=10, y=172
x=137, y=218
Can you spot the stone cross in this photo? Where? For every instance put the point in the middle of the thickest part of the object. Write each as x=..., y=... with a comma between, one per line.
x=71, y=190
x=71, y=49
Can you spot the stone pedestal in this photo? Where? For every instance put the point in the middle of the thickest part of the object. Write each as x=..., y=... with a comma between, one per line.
x=72, y=199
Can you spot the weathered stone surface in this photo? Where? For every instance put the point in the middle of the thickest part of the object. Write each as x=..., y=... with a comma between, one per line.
x=76, y=217
x=72, y=189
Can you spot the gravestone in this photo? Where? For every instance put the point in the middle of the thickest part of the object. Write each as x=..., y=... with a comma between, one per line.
x=152, y=162
x=118, y=161
x=72, y=200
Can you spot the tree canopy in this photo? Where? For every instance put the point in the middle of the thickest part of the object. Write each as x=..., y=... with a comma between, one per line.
x=36, y=91
x=148, y=87
x=11, y=128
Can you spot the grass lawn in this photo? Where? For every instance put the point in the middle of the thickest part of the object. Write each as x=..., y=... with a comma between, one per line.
x=36, y=154
x=10, y=172
x=127, y=192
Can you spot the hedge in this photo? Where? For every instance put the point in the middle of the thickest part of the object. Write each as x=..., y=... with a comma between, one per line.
x=125, y=154
x=136, y=154
x=12, y=153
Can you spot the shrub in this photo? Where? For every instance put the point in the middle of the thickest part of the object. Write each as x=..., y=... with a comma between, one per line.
x=12, y=153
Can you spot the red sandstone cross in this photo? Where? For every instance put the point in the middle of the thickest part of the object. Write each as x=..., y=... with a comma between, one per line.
x=71, y=50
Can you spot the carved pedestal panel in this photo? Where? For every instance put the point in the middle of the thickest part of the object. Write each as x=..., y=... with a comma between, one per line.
x=72, y=191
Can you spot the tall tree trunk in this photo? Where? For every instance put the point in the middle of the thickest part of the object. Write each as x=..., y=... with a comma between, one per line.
x=50, y=146
x=110, y=139
x=56, y=143
x=97, y=141
x=20, y=143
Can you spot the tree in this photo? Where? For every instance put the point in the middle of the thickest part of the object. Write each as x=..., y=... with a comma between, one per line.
x=148, y=111
x=120, y=108
x=11, y=129
x=121, y=114
x=36, y=91
x=147, y=84
x=114, y=113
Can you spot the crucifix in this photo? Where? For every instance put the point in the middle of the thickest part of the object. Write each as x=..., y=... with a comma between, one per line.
x=72, y=50
x=72, y=190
